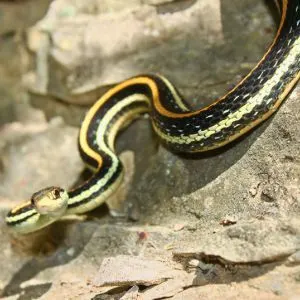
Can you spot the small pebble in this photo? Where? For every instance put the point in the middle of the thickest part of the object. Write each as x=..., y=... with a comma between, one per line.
x=71, y=251
x=194, y=263
x=178, y=227
x=294, y=259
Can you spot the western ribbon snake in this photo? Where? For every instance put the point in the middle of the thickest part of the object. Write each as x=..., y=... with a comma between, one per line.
x=181, y=129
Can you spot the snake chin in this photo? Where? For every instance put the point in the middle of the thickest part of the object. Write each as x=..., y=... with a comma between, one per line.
x=51, y=201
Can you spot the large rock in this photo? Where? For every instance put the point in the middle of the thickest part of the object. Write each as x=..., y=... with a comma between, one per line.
x=75, y=66
x=15, y=18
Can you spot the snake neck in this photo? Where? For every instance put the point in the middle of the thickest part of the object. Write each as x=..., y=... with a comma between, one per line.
x=98, y=188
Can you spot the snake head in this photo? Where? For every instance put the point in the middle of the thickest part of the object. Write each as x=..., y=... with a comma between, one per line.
x=52, y=201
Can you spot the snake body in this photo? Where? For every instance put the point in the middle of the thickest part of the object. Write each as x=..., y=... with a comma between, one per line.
x=181, y=129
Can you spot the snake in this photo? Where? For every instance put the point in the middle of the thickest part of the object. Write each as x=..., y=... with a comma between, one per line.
x=179, y=128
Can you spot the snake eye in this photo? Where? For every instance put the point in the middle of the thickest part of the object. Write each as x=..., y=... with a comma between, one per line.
x=56, y=193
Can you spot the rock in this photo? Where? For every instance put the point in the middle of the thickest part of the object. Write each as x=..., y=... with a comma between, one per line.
x=126, y=270
x=78, y=75
x=294, y=259
x=227, y=292
x=42, y=156
x=7, y=108
x=157, y=2
x=17, y=15
x=71, y=114
x=69, y=287
x=247, y=242
x=173, y=286
x=132, y=294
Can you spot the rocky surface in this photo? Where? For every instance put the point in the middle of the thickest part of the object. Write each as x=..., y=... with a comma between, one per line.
x=223, y=225
x=15, y=18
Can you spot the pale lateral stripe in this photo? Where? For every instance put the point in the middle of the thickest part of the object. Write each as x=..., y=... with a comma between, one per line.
x=113, y=131
x=102, y=127
x=20, y=216
x=177, y=98
x=84, y=207
x=248, y=107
